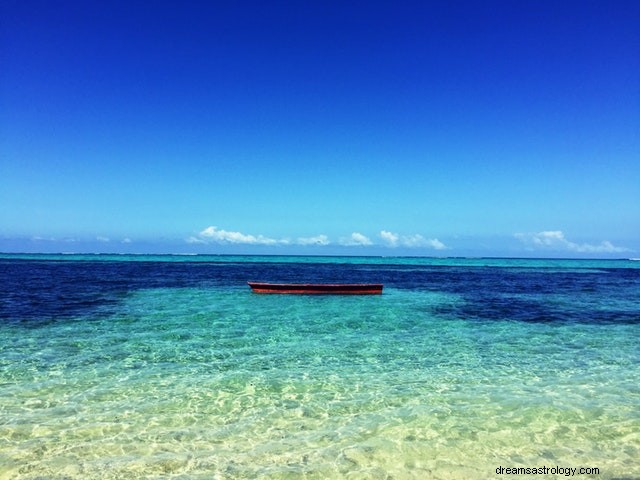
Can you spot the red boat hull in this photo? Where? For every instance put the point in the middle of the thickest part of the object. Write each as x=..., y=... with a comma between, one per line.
x=318, y=288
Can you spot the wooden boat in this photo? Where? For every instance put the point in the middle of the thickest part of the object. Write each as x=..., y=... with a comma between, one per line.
x=318, y=288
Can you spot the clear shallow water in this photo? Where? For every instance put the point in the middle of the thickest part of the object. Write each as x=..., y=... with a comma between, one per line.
x=139, y=367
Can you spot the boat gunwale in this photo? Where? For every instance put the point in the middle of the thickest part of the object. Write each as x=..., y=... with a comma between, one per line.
x=317, y=288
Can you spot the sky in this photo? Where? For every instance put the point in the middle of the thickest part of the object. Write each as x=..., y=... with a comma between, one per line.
x=426, y=128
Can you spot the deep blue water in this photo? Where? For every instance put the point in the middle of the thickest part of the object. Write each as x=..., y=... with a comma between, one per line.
x=154, y=366
x=35, y=290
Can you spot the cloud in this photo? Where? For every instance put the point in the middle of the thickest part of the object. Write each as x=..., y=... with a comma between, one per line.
x=214, y=235
x=103, y=239
x=412, y=241
x=389, y=238
x=555, y=240
x=355, y=239
x=317, y=240
x=437, y=244
x=420, y=241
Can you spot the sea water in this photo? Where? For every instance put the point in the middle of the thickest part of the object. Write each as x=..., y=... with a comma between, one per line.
x=170, y=367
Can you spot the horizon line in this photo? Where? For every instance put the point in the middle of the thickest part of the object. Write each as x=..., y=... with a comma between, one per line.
x=178, y=254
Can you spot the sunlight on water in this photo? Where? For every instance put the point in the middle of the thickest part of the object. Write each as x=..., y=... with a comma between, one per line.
x=221, y=383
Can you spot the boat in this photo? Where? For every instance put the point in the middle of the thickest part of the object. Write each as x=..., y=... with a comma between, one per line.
x=318, y=288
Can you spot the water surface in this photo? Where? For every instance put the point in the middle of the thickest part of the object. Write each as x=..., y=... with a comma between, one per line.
x=168, y=366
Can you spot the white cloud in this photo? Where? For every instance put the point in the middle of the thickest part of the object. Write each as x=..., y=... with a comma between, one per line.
x=195, y=240
x=555, y=239
x=436, y=244
x=412, y=241
x=415, y=240
x=355, y=239
x=213, y=234
x=103, y=239
x=126, y=240
x=38, y=238
x=389, y=238
x=420, y=241
x=317, y=240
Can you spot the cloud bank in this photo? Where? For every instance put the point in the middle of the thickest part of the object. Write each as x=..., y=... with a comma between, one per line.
x=355, y=239
x=413, y=241
x=317, y=240
x=214, y=234
x=555, y=240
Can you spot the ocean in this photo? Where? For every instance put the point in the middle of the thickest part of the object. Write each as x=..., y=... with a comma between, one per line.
x=127, y=367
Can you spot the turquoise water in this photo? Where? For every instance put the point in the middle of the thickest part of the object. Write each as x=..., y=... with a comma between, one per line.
x=171, y=368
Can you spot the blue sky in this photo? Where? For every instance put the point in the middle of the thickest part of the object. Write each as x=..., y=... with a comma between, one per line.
x=445, y=128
